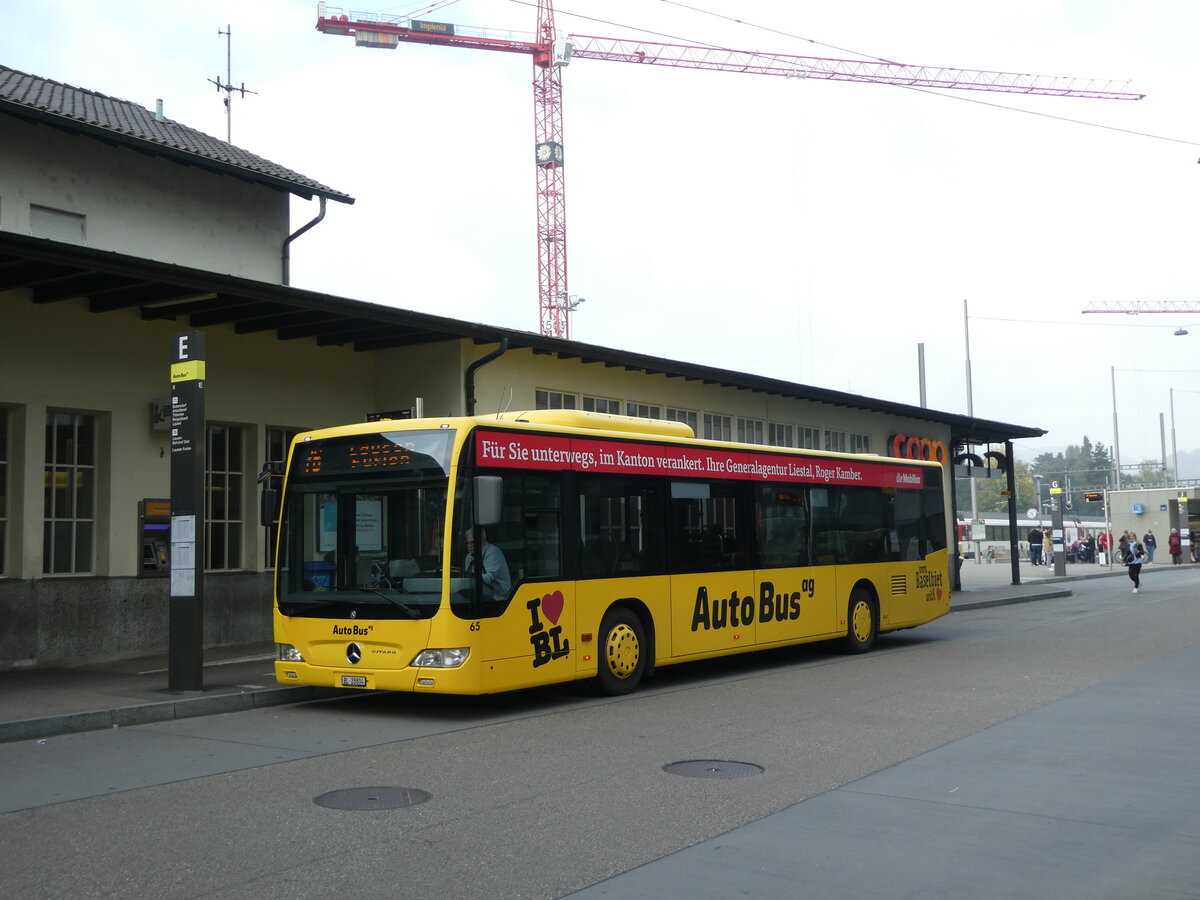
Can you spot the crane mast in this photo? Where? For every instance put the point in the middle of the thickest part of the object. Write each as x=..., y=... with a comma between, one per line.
x=551, y=54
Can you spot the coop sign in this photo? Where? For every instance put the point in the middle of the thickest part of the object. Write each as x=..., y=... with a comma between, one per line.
x=905, y=446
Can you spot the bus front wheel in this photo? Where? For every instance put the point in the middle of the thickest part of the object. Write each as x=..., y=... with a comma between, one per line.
x=862, y=622
x=622, y=652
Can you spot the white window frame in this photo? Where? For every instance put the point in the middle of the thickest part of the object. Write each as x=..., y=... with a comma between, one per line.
x=67, y=461
x=5, y=493
x=57, y=225
x=835, y=441
x=602, y=405
x=643, y=410
x=750, y=431
x=781, y=434
x=686, y=416
x=544, y=398
x=718, y=427
x=232, y=480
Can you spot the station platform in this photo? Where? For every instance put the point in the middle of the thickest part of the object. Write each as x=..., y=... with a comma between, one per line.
x=38, y=703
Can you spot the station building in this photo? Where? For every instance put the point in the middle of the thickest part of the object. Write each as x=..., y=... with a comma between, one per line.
x=1158, y=510
x=120, y=230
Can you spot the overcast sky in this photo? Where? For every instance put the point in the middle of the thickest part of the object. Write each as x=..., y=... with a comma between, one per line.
x=807, y=230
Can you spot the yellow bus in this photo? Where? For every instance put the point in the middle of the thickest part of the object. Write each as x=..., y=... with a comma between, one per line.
x=492, y=553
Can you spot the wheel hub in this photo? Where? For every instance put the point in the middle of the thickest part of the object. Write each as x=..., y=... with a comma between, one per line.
x=622, y=651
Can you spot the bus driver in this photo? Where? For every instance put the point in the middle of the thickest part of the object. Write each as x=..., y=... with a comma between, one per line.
x=496, y=580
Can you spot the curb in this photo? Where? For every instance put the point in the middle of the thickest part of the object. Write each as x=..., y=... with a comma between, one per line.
x=145, y=713
x=1008, y=601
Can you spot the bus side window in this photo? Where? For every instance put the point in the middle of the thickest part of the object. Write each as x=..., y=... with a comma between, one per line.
x=826, y=545
x=530, y=530
x=708, y=521
x=782, y=515
x=620, y=527
x=861, y=522
x=906, y=541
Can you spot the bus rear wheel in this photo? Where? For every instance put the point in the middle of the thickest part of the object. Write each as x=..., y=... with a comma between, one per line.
x=862, y=622
x=622, y=652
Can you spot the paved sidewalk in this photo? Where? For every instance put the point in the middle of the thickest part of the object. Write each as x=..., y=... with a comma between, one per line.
x=38, y=703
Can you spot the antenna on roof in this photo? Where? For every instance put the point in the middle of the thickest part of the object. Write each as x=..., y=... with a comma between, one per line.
x=228, y=87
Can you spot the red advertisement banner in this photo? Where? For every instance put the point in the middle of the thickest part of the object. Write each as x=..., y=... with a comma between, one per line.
x=517, y=450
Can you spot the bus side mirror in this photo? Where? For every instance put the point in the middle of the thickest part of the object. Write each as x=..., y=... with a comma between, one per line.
x=269, y=506
x=489, y=491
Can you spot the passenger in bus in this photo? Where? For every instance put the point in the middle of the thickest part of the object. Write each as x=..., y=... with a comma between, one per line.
x=496, y=578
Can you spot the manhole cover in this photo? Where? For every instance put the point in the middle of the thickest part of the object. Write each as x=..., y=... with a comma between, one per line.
x=372, y=798
x=713, y=768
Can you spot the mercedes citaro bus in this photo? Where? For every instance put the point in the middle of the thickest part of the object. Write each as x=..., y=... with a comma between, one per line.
x=492, y=553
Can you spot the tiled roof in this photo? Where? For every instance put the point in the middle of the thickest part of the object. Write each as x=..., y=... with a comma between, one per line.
x=121, y=121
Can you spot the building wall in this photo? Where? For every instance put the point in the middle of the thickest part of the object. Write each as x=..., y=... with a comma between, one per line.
x=140, y=204
x=1160, y=512
x=511, y=382
x=60, y=357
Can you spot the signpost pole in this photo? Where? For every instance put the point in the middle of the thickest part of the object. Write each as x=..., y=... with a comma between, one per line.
x=185, y=665
x=1057, y=532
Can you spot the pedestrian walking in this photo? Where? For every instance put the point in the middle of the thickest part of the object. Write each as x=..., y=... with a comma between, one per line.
x=1149, y=543
x=1135, y=556
x=1175, y=547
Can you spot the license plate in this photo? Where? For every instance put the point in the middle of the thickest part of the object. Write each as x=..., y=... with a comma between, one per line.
x=354, y=681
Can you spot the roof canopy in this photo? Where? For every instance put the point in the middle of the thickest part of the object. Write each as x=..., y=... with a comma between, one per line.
x=53, y=271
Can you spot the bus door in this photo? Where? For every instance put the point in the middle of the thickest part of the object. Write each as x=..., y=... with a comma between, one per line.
x=620, y=559
x=713, y=592
x=795, y=597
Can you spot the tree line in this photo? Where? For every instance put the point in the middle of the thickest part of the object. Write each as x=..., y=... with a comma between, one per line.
x=1079, y=469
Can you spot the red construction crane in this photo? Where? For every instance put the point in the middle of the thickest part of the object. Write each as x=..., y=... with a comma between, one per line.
x=550, y=54
x=1136, y=307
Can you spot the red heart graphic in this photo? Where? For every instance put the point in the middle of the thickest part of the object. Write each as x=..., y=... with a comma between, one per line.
x=939, y=592
x=552, y=606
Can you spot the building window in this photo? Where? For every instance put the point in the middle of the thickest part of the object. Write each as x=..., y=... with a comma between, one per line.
x=686, y=416
x=68, y=539
x=810, y=438
x=223, y=482
x=56, y=225
x=860, y=443
x=278, y=442
x=718, y=428
x=835, y=440
x=602, y=405
x=4, y=451
x=553, y=400
x=749, y=431
x=779, y=435
x=643, y=410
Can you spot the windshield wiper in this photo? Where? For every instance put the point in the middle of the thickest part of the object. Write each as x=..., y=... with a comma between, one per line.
x=313, y=603
x=412, y=613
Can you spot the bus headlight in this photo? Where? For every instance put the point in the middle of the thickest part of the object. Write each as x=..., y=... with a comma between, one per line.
x=288, y=653
x=450, y=658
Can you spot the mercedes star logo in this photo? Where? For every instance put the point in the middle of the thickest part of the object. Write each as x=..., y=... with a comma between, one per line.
x=354, y=653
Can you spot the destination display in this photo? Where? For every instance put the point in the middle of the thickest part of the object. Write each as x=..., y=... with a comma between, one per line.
x=507, y=449
x=423, y=453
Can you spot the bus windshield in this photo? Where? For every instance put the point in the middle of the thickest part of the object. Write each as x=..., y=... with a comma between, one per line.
x=362, y=526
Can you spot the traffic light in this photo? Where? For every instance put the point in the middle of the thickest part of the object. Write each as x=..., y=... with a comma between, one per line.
x=1093, y=496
